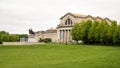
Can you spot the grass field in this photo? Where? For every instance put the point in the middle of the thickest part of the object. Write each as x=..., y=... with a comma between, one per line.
x=59, y=56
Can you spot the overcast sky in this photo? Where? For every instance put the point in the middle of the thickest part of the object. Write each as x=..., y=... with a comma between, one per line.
x=17, y=16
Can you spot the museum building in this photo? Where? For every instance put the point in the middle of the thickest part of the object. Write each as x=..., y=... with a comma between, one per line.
x=62, y=32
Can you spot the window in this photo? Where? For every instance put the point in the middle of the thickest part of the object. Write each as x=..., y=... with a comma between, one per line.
x=68, y=22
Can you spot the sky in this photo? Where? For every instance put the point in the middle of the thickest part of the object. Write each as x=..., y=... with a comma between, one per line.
x=17, y=16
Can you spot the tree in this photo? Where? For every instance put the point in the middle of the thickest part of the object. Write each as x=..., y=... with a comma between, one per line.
x=110, y=32
x=97, y=32
x=85, y=26
x=75, y=32
x=91, y=34
x=103, y=33
x=3, y=36
x=6, y=37
x=14, y=37
x=23, y=35
x=3, y=32
x=116, y=35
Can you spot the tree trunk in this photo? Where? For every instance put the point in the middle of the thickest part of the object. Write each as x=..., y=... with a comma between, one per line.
x=76, y=41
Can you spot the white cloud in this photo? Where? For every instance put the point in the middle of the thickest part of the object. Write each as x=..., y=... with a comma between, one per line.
x=17, y=16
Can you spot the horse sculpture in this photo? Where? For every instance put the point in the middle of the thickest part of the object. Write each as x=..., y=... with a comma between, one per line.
x=31, y=32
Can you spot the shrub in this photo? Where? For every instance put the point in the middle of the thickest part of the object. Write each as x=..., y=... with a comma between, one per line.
x=46, y=40
x=41, y=40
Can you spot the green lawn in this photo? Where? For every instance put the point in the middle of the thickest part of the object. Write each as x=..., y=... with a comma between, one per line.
x=59, y=56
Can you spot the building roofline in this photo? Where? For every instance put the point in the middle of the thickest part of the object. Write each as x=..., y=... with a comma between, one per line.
x=84, y=16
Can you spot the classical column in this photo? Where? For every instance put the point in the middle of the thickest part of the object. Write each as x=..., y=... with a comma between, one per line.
x=60, y=35
x=70, y=35
x=66, y=36
x=63, y=36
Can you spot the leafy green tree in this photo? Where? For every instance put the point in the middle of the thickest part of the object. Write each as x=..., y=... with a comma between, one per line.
x=96, y=32
x=3, y=36
x=75, y=32
x=3, y=32
x=6, y=37
x=23, y=35
x=85, y=26
x=110, y=32
x=103, y=33
x=91, y=34
x=14, y=38
x=116, y=35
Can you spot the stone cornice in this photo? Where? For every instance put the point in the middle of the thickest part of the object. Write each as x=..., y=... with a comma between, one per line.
x=67, y=14
x=85, y=17
x=63, y=26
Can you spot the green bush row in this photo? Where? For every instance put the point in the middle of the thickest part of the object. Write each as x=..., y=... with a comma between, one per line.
x=6, y=37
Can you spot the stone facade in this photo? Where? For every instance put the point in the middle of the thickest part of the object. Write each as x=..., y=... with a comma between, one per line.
x=50, y=33
x=68, y=20
x=62, y=32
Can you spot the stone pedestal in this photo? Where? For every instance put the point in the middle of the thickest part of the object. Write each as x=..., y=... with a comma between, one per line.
x=32, y=38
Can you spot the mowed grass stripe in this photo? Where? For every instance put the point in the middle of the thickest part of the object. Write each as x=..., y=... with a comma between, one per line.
x=59, y=56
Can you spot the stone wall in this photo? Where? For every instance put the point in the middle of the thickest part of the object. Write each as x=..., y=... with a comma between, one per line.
x=20, y=43
x=32, y=38
x=50, y=33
